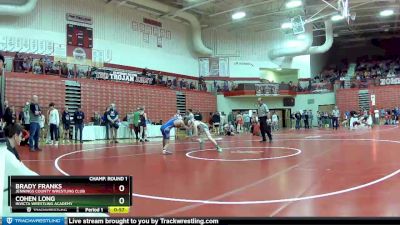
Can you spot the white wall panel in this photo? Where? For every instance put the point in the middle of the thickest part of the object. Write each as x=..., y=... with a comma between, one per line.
x=111, y=30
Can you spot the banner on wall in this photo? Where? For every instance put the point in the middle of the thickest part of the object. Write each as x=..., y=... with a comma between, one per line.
x=104, y=74
x=60, y=53
x=204, y=65
x=79, y=18
x=98, y=58
x=215, y=67
x=79, y=55
x=271, y=89
x=391, y=79
x=79, y=44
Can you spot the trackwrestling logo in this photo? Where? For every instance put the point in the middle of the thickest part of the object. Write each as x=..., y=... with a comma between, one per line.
x=33, y=220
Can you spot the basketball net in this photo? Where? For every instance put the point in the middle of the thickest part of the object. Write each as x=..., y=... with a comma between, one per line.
x=344, y=9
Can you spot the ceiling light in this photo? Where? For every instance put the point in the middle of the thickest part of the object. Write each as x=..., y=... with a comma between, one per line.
x=337, y=17
x=387, y=12
x=238, y=15
x=286, y=25
x=293, y=3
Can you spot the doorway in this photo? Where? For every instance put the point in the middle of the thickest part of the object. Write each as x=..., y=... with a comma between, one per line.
x=283, y=115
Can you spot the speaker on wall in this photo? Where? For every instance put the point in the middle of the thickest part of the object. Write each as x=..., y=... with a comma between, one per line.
x=288, y=101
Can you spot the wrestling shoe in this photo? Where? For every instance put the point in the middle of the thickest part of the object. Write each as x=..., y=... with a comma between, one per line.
x=166, y=152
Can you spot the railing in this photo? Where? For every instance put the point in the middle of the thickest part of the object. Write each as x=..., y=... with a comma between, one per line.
x=73, y=71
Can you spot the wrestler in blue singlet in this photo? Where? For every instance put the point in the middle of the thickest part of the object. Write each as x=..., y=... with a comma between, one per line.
x=166, y=128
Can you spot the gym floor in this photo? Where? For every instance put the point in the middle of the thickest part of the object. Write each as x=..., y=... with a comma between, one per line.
x=317, y=172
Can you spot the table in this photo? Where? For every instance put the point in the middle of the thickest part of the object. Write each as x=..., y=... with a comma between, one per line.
x=92, y=132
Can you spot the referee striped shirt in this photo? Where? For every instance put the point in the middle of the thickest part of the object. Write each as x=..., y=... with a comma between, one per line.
x=263, y=110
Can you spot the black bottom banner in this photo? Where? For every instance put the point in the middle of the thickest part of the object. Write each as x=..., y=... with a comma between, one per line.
x=227, y=221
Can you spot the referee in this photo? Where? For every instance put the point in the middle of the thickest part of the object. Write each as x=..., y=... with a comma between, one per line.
x=263, y=115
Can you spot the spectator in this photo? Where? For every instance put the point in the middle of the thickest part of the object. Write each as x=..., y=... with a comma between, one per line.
x=198, y=116
x=13, y=133
x=8, y=114
x=305, y=117
x=335, y=118
x=106, y=123
x=136, y=121
x=112, y=117
x=54, y=122
x=239, y=123
x=190, y=116
x=229, y=129
x=253, y=121
x=26, y=121
x=275, y=121
x=2, y=63
x=292, y=119
x=298, y=119
x=42, y=125
x=79, y=117
x=37, y=69
x=247, y=124
x=35, y=114
x=143, y=125
x=96, y=119
x=66, y=121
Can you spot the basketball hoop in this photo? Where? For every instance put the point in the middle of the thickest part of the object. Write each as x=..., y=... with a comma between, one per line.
x=344, y=9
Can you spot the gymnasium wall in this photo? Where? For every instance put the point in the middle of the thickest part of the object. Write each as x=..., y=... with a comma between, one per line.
x=21, y=87
x=312, y=101
x=112, y=30
x=227, y=104
x=385, y=97
x=248, y=51
x=279, y=76
x=302, y=102
x=96, y=95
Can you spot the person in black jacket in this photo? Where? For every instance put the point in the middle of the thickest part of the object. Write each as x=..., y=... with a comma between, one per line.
x=35, y=114
x=306, y=117
x=79, y=117
x=66, y=121
x=8, y=114
x=298, y=119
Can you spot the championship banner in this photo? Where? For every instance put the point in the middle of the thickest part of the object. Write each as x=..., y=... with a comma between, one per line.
x=267, y=89
x=391, y=79
x=104, y=74
x=79, y=55
x=304, y=84
x=79, y=45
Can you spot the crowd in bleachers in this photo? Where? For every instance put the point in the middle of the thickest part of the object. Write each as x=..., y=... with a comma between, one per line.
x=43, y=65
x=377, y=67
